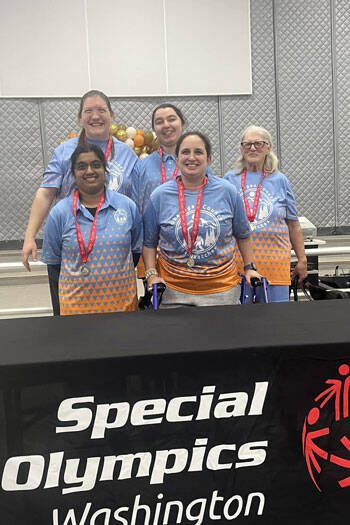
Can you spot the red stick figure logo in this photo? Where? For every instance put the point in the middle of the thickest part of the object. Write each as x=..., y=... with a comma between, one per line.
x=326, y=432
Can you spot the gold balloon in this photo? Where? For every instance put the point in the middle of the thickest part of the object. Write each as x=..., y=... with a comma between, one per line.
x=144, y=149
x=155, y=145
x=121, y=135
x=113, y=128
x=138, y=150
x=148, y=138
x=122, y=126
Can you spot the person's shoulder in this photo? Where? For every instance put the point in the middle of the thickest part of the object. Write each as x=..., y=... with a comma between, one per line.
x=121, y=147
x=66, y=148
x=168, y=188
x=277, y=175
x=279, y=178
x=117, y=200
x=148, y=163
x=221, y=183
x=62, y=207
x=232, y=176
x=150, y=159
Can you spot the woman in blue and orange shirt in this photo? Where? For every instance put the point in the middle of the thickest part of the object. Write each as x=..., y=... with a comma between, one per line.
x=95, y=235
x=270, y=208
x=195, y=220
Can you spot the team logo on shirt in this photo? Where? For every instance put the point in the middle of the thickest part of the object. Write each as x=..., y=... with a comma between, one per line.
x=208, y=233
x=115, y=176
x=265, y=207
x=120, y=216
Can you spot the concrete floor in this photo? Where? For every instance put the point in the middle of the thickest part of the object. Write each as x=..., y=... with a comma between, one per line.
x=23, y=294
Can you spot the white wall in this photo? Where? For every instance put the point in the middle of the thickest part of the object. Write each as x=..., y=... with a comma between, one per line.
x=137, y=48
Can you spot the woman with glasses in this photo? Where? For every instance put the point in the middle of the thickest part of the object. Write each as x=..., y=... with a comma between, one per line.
x=95, y=237
x=95, y=116
x=270, y=208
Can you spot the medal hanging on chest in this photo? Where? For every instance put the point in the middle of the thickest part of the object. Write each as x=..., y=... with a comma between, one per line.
x=182, y=205
x=84, y=269
x=251, y=213
x=85, y=252
x=162, y=168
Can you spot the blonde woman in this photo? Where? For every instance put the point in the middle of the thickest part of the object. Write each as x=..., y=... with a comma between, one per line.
x=270, y=208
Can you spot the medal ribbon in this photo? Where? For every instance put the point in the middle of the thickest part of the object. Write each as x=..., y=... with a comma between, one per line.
x=92, y=237
x=162, y=168
x=182, y=206
x=251, y=214
x=108, y=149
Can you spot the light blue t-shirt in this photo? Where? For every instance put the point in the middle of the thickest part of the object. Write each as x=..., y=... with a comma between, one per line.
x=58, y=173
x=222, y=218
x=270, y=235
x=111, y=284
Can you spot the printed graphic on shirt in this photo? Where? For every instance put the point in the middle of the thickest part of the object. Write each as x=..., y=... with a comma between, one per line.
x=115, y=176
x=208, y=233
x=265, y=207
x=120, y=216
x=270, y=234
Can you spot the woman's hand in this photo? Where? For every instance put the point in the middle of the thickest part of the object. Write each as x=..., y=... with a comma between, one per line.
x=154, y=279
x=29, y=248
x=300, y=271
x=248, y=274
x=297, y=241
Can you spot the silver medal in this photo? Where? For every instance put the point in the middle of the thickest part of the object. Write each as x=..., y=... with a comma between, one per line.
x=84, y=270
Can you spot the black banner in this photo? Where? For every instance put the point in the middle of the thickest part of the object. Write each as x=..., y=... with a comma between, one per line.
x=210, y=415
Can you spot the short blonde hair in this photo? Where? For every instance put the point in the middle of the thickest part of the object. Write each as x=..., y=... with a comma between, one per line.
x=270, y=162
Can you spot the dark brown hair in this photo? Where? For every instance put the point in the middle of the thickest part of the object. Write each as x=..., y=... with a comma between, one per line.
x=204, y=138
x=164, y=106
x=87, y=148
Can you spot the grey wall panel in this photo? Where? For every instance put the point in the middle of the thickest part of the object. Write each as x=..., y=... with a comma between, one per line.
x=294, y=96
x=60, y=117
x=260, y=107
x=306, y=105
x=21, y=164
x=342, y=45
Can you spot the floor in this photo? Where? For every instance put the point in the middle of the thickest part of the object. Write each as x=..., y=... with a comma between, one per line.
x=24, y=294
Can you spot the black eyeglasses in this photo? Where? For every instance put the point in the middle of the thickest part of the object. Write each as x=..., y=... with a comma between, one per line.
x=258, y=144
x=94, y=165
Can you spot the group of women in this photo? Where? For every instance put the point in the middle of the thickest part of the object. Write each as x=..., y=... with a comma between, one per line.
x=196, y=231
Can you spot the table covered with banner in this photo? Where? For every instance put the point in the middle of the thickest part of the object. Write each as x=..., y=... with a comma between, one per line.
x=188, y=416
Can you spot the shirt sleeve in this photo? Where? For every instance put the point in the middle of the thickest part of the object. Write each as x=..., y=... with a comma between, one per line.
x=52, y=244
x=240, y=226
x=135, y=185
x=151, y=226
x=291, y=210
x=209, y=171
x=136, y=232
x=54, y=172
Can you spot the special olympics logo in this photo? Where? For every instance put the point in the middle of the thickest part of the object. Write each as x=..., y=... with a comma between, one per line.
x=208, y=232
x=120, y=216
x=115, y=176
x=326, y=433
